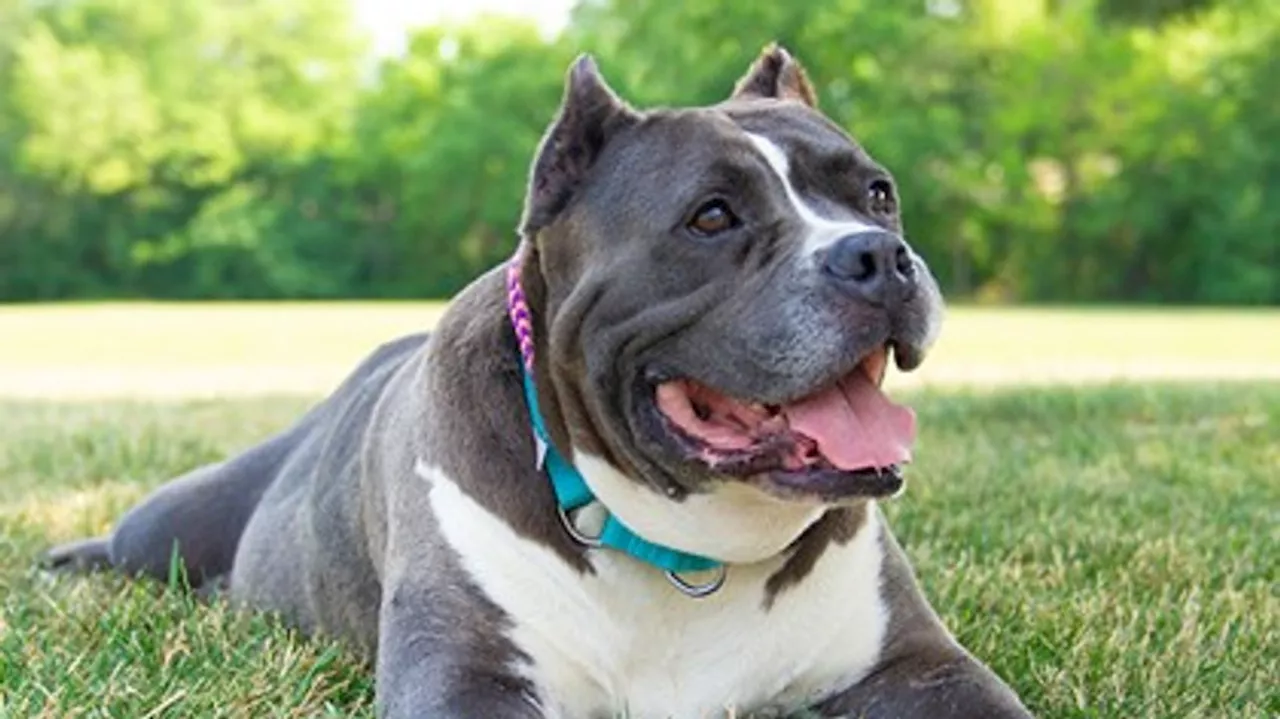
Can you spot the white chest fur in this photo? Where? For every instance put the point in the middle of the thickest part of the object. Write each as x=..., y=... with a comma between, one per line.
x=624, y=643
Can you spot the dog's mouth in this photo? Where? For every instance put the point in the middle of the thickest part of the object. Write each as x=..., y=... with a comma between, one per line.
x=846, y=439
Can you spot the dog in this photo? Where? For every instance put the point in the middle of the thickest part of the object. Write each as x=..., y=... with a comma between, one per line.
x=634, y=471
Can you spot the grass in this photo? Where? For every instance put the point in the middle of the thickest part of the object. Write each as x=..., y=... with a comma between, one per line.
x=1109, y=548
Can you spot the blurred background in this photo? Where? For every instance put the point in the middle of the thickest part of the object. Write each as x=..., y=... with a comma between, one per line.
x=1048, y=150
x=1060, y=152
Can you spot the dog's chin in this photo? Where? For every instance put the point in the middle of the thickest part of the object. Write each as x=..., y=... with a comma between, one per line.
x=844, y=440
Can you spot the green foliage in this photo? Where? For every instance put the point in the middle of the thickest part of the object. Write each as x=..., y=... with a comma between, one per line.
x=1046, y=150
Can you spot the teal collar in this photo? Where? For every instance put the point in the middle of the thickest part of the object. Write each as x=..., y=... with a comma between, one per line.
x=571, y=490
x=572, y=493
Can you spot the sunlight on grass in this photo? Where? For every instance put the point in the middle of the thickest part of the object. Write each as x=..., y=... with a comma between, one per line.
x=1108, y=550
x=245, y=349
x=1104, y=548
x=83, y=513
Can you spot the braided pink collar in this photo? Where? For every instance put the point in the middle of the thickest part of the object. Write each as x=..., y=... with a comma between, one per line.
x=518, y=311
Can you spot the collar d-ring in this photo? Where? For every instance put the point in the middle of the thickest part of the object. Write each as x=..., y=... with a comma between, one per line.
x=689, y=589
x=699, y=591
x=576, y=534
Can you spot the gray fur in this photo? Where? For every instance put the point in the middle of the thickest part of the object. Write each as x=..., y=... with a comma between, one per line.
x=328, y=524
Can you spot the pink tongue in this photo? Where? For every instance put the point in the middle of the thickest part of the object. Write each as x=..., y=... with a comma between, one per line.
x=855, y=425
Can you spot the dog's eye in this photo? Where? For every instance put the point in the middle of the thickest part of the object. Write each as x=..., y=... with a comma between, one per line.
x=713, y=218
x=880, y=197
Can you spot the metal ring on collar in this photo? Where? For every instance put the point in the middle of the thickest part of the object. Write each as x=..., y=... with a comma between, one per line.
x=698, y=591
x=575, y=533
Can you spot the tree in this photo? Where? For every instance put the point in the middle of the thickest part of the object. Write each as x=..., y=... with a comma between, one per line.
x=1045, y=150
x=140, y=113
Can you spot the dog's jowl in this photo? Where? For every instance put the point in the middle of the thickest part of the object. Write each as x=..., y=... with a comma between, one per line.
x=635, y=470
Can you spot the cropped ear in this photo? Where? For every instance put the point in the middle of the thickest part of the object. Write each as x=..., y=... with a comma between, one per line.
x=776, y=74
x=590, y=114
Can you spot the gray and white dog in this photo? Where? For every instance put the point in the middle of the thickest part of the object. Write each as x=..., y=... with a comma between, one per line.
x=670, y=511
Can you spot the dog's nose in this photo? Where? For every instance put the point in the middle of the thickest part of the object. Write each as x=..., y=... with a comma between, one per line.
x=874, y=264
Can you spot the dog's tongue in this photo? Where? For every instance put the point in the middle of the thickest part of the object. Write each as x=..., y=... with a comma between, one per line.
x=855, y=425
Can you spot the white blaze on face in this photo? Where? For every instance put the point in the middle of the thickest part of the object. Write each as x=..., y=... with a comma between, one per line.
x=821, y=231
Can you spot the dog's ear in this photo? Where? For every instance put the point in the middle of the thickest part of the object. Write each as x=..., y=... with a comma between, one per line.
x=589, y=115
x=776, y=74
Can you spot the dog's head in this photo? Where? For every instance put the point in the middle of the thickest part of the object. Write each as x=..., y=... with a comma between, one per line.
x=717, y=293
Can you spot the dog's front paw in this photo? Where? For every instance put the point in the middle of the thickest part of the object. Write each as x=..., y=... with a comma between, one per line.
x=959, y=690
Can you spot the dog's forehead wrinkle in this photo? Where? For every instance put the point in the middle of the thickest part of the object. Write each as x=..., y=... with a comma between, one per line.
x=807, y=134
x=822, y=230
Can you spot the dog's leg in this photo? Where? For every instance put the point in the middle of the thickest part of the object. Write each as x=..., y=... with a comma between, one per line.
x=200, y=516
x=438, y=657
x=443, y=645
x=924, y=673
x=925, y=687
x=85, y=555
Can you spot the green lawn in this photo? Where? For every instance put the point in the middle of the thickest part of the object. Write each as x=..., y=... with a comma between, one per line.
x=1109, y=548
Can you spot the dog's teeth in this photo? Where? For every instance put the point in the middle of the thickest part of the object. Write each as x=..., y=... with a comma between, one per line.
x=773, y=424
